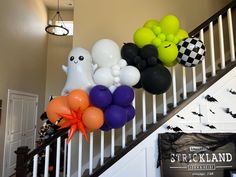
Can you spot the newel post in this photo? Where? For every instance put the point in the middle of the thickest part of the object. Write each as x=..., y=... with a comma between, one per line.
x=21, y=161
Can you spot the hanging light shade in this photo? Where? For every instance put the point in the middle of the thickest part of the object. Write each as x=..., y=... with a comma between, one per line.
x=57, y=29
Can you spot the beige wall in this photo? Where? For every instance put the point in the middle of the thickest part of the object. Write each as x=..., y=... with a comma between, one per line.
x=57, y=52
x=23, y=53
x=118, y=20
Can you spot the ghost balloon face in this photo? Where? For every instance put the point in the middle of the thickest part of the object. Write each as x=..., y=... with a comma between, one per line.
x=79, y=71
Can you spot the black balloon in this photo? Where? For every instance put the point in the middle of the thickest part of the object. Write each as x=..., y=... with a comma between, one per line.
x=156, y=79
x=129, y=51
x=152, y=61
x=138, y=85
x=148, y=51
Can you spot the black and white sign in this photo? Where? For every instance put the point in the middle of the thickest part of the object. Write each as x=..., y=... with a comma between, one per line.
x=197, y=154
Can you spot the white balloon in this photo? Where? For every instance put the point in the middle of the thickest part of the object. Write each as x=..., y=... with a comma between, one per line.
x=115, y=73
x=105, y=53
x=112, y=88
x=79, y=71
x=129, y=75
x=122, y=63
x=116, y=79
x=103, y=76
x=115, y=67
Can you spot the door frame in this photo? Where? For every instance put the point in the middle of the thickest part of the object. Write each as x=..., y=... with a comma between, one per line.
x=10, y=92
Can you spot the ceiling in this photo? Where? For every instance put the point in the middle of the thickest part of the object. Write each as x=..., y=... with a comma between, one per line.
x=64, y=4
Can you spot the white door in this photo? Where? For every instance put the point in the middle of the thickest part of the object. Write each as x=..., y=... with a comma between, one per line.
x=20, y=126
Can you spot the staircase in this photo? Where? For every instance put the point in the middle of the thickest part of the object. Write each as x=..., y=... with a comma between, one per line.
x=106, y=148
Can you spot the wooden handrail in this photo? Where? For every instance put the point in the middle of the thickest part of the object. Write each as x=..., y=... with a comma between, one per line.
x=213, y=18
x=47, y=142
x=23, y=156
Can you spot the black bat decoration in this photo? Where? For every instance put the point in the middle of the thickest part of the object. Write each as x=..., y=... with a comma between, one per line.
x=189, y=126
x=198, y=114
x=181, y=117
x=211, y=126
x=212, y=112
x=232, y=92
x=228, y=111
x=176, y=129
x=210, y=98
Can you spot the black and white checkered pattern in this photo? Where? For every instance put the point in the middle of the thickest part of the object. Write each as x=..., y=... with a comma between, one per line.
x=191, y=52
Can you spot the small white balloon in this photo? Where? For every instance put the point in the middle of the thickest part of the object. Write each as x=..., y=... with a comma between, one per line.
x=115, y=67
x=112, y=88
x=105, y=53
x=115, y=73
x=116, y=79
x=122, y=63
x=103, y=76
x=129, y=75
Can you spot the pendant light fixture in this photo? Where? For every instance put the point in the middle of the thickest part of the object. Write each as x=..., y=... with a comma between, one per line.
x=59, y=28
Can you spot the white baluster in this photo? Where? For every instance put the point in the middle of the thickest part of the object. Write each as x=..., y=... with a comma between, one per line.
x=112, y=142
x=90, y=153
x=46, y=164
x=212, y=50
x=123, y=136
x=35, y=168
x=174, y=86
x=221, y=40
x=144, y=110
x=58, y=156
x=69, y=159
x=65, y=158
x=184, y=82
x=154, y=108
x=134, y=121
x=164, y=104
x=203, y=61
x=80, y=154
x=231, y=35
x=194, y=79
x=102, y=148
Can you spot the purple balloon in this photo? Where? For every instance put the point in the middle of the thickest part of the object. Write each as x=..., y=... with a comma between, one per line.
x=123, y=95
x=105, y=127
x=100, y=96
x=130, y=112
x=115, y=116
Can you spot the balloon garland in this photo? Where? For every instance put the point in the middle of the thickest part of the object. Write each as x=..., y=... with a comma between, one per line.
x=98, y=92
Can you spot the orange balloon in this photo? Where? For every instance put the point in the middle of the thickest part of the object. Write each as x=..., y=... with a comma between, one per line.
x=78, y=100
x=93, y=118
x=58, y=105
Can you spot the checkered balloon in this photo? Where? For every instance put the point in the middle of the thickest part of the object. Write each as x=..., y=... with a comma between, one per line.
x=191, y=52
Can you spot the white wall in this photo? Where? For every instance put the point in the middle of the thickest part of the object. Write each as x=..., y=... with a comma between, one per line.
x=142, y=160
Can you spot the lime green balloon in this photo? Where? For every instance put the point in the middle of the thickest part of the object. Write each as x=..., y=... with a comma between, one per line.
x=150, y=23
x=176, y=40
x=181, y=34
x=156, y=42
x=162, y=36
x=170, y=37
x=171, y=64
x=156, y=29
x=169, y=24
x=143, y=36
x=167, y=52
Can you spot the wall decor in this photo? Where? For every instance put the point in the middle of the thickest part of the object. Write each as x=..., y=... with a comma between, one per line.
x=197, y=154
